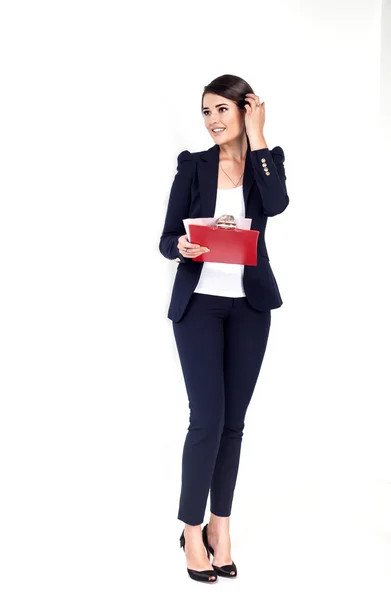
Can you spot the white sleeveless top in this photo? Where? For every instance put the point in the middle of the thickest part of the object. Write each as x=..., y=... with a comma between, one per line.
x=224, y=279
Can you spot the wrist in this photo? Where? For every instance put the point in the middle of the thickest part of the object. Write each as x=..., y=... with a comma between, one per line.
x=257, y=142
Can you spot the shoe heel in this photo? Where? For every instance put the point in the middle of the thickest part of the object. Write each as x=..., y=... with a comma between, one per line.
x=182, y=540
x=209, y=549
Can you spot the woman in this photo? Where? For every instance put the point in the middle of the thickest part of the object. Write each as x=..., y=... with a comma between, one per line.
x=220, y=312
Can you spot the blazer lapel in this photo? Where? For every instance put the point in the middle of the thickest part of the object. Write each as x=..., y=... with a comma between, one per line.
x=208, y=179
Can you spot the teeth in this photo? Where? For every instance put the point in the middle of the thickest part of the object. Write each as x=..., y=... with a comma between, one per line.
x=218, y=129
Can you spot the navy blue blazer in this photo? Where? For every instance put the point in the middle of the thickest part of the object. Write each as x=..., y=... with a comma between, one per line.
x=193, y=194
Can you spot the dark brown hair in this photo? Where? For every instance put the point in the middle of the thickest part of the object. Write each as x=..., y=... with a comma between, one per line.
x=230, y=86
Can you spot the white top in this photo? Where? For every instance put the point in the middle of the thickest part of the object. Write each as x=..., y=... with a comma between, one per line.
x=224, y=279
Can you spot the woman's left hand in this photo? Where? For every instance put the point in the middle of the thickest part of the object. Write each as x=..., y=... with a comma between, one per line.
x=254, y=119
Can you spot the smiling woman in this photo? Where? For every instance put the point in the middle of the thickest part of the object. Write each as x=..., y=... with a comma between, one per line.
x=221, y=114
x=221, y=313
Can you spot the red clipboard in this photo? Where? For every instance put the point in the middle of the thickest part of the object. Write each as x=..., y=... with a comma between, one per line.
x=236, y=246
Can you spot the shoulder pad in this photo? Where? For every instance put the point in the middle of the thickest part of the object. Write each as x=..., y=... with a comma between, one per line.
x=278, y=154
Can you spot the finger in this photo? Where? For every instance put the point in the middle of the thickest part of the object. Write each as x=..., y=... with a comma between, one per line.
x=189, y=245
x=190, y=252
x=255, y=98
x=184, y=242
x=250, y=103
x=196, y=250
x=187, y=250
x=201, y=250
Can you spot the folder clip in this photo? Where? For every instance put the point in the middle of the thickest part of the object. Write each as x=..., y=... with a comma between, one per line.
x=226, y=222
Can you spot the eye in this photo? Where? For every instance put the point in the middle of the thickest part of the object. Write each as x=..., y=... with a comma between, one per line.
x=208, y=111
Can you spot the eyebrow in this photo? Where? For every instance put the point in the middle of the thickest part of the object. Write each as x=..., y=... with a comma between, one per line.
x=217, y=105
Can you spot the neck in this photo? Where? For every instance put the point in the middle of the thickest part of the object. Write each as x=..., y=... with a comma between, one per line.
x=235, y=150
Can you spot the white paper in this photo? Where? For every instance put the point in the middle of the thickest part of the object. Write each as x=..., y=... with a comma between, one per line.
x=241, y=223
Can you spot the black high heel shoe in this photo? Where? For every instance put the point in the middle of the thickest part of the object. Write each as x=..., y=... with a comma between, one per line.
x=199, y=575
x=225, y=570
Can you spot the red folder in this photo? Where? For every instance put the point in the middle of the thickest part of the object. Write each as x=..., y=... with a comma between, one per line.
x=236, y=246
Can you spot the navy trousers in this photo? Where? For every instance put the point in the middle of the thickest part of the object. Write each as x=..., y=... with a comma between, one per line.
x=221, y=343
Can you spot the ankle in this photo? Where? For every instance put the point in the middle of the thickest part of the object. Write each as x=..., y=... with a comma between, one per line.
x=218, y=524
x=193, y=530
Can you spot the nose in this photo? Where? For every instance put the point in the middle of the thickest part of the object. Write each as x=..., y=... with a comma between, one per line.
x=213, y=120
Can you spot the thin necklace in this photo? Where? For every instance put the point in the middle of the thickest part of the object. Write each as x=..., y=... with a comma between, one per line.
x=235, y=185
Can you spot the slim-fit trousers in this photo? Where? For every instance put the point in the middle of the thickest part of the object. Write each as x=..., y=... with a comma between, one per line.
x=221, y=343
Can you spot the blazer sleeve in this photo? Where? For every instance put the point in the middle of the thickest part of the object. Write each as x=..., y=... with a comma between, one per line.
x=178, y=208
x=269, y=174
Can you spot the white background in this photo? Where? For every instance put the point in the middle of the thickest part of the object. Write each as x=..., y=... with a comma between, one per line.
x=98, y=99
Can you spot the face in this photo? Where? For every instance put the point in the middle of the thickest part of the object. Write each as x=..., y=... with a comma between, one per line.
x=219, y=112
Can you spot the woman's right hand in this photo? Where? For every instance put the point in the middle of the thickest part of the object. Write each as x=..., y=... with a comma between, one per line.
x=189, y=250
